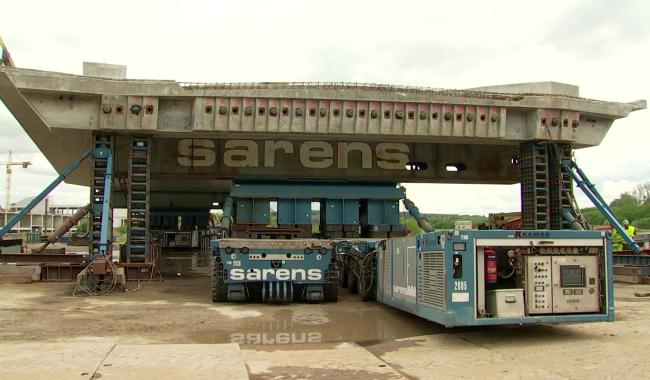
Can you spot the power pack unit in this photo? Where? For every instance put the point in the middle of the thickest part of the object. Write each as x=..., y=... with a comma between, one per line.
x=492, y=277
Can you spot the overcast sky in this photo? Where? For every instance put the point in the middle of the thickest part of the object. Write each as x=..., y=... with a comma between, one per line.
x=601, y=46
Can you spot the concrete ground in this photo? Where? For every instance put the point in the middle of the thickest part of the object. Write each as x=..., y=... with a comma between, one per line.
x=47, y=333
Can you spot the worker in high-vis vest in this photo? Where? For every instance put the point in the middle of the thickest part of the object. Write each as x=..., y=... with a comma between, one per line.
x=631, y=230
x=617, y=240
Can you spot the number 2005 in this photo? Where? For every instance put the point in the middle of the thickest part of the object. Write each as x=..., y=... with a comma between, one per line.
x=460, y=285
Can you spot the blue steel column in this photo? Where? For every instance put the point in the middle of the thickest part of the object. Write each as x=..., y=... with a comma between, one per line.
x=101, y=213
x=106, y=237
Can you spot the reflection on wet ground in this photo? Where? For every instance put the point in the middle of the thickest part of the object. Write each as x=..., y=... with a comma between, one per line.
x=347, y=320
x=179, y=310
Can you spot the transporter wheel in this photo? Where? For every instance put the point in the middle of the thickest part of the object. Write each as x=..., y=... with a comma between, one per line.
x=343, y=274
x=219, y=288
x=331, y=292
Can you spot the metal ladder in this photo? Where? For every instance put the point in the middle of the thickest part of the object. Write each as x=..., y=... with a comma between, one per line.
x=546, y=188
x=561, y=186
x=97, y=191
x=137, y=244
x=535, y=202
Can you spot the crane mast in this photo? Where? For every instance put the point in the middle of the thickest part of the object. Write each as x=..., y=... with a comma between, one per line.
x=9, y=163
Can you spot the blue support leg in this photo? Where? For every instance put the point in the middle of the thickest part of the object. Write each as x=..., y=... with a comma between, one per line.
x=590, y=191
x=66, y=172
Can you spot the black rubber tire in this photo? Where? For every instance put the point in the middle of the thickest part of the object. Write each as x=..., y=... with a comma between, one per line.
x=219, y=288
x=331, y=291
x=343, y=275
x=331, y=288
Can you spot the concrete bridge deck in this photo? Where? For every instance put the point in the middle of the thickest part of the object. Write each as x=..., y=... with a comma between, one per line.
x=361, y=129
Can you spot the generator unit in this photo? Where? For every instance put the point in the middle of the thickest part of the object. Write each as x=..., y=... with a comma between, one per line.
x=480, y=277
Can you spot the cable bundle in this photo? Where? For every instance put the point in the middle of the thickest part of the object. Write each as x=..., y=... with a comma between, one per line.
x=95, y=285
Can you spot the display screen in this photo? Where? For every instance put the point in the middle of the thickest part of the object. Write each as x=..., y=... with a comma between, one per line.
x=460, y=246
x=572, y=276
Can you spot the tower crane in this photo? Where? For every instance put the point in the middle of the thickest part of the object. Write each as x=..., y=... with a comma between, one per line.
x=9, y=163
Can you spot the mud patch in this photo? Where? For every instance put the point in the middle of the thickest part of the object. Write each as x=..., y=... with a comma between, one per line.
x=381, y=348
x=15, y=298
x=296, y=372
x=310, y=319
x=235, y=312
x=117, y=339
x=102, y=302
x=292, y=347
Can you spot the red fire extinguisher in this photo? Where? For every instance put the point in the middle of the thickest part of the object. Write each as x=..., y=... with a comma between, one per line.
x=490, y=265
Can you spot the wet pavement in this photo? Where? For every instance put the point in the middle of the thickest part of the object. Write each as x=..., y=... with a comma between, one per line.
x=179, y=309
x=347, y=320
x=344, y=340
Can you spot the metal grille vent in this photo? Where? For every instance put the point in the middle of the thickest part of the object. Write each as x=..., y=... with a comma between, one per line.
x=431, y=280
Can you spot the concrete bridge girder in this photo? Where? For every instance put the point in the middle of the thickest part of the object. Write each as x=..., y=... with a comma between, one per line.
x=204, y=135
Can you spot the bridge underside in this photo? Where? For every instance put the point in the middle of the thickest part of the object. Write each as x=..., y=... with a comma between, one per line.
x=183, y=146
x=195, y=172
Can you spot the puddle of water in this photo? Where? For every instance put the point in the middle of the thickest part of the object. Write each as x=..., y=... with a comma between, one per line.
x=235, y=312
x=310, y=318
x=347, y=320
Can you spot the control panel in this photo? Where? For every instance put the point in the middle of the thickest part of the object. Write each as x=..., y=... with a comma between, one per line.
x=557, y=284
x=576, y=288
x=539, y=286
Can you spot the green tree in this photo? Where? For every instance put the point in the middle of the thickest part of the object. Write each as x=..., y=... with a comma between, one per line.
x=625, y=200
x=82, y=226
x=633, y=206
x=642, y=193
x=643, y=223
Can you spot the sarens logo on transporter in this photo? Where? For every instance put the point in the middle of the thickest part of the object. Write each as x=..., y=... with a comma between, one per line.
x=240, y=274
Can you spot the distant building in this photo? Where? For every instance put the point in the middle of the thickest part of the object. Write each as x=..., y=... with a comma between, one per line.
x=119, y=217
x=463, y=225
x=44, y=217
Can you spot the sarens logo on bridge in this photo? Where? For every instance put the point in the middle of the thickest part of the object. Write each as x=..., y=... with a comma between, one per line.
x=240, y=274
x=311, y=154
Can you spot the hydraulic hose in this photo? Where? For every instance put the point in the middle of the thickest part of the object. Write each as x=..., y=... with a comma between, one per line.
x=414, y=211
x=226, y=219
x=65, y=227
x=568, y=216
